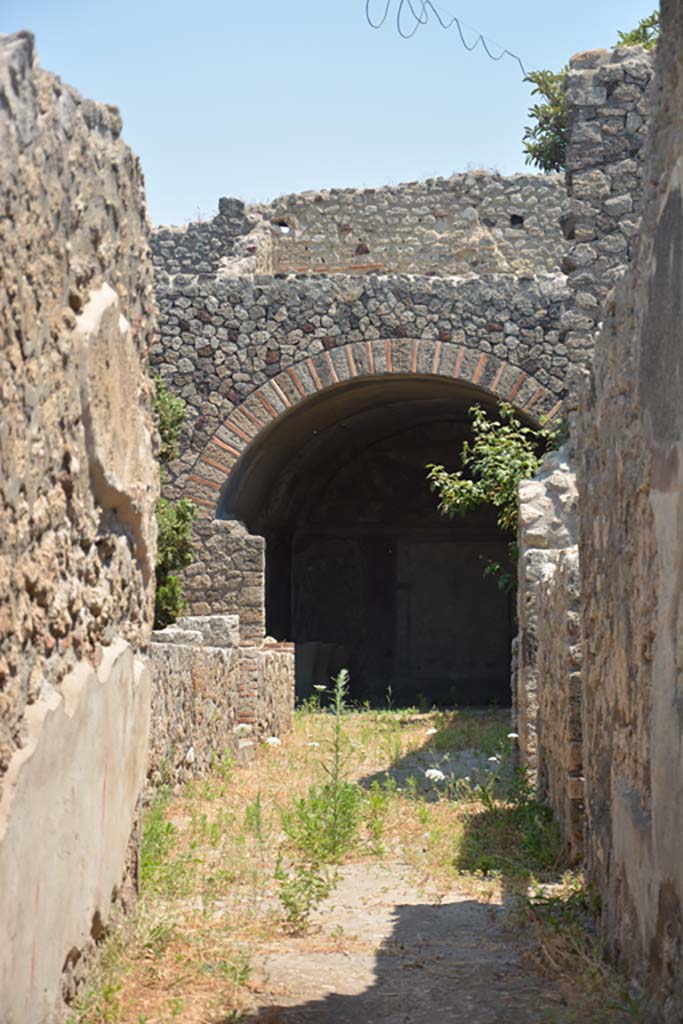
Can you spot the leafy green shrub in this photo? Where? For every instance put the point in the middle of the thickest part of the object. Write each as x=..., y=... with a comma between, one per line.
x=323, y=825
x=301, y=891
x=502, y=454
x=545, y=141
x=646, y=33
x=170, y=413
x=174, y=552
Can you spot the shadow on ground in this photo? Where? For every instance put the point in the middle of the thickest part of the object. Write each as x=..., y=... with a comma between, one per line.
x=441, y=963
x=469, y=761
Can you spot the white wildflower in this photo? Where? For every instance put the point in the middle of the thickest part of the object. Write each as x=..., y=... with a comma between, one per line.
x=494, y=758
x=431, y=732
x=313, y=744
x=273, y=741
x=243, y=729
x=319, y=687
x=434, y=775
x=513, y=735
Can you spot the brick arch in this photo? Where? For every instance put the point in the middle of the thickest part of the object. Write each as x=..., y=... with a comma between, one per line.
x=345, y=363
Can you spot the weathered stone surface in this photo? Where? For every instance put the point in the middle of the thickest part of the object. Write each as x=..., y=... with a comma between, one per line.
x=215, y=630
x=195, y=708
x=69, y=803
x=560, y=781
x=478, y=221
x=78, y=485
x=609, y=94
x=227, y=576
x=630, y=449
x=547, y=528
x=76, y=554
x=204, y=686
x=221, y=340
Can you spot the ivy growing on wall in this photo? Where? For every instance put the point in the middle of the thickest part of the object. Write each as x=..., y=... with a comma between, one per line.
x=174, y=518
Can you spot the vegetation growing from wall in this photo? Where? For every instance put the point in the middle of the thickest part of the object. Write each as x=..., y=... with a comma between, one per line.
x=545, y=140
x=503, y=453
x=174, y=518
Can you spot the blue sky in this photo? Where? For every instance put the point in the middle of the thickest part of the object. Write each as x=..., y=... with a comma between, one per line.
x=256, y=99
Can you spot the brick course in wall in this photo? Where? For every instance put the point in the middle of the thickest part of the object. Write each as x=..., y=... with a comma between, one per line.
x=240, y=350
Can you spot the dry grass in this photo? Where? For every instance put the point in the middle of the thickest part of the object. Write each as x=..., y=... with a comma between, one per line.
x=211, y=856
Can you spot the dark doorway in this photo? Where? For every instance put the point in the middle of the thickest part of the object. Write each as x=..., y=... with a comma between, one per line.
x=362, y=571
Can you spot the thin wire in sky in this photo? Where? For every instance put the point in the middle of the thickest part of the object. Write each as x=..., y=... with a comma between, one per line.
x=409, y=20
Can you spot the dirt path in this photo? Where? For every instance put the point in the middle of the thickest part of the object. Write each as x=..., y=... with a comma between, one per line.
x=414, y=931
x=381, y=952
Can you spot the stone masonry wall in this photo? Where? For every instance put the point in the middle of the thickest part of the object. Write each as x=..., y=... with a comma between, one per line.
x=228, y=576
x=478, y=221
x=78, y=486
x=220, y=339
x=205, y=686
x=268, y=687
x=609, y=102
x=195, y=699
x=630, y=448
x=547, y=529
x=560, y=779
x=221, y=244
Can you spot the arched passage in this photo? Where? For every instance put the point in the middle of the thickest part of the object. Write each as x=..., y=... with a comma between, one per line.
x=360, y=568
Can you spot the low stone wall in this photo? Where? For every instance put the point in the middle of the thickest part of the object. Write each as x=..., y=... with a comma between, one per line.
x=267, y=681
x=205, y=685
x=560, y=782
x=195, y=706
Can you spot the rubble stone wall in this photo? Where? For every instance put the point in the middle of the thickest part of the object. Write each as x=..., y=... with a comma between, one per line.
x=609, y=104
x=630, y=452
x=560, y=779
x=205, y=686
x=222, y=340
x=478, y=221
x=228, y=576
x=78, y=485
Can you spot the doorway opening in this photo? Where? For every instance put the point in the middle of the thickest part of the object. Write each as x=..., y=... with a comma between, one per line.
x=362, y=571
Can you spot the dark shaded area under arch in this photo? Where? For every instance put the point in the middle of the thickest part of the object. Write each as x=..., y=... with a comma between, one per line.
x=362, y=571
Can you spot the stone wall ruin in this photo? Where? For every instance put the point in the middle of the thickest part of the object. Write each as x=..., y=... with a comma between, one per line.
x=285, y=342
x=299, y=333
x=627, y=437
x=78, y=483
